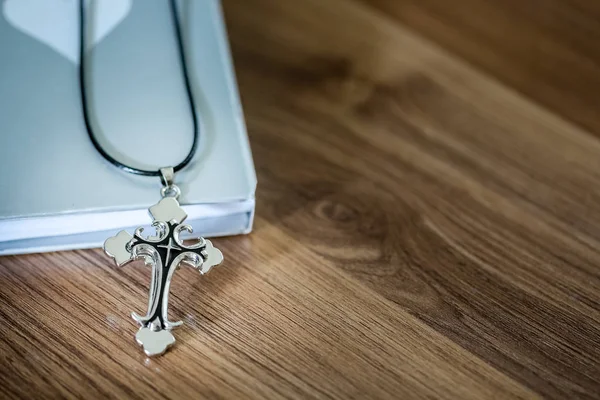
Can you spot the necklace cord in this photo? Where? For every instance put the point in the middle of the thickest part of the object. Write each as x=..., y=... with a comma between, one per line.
x=188, y=90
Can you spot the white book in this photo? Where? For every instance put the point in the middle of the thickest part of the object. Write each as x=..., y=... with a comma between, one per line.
x=58, y=192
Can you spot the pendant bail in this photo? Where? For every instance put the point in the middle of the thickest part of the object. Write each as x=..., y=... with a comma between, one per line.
x=169, y=189
x=167, y=175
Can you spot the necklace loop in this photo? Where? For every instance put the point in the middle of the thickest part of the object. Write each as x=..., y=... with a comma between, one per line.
x=169, y=189
x=188, y=91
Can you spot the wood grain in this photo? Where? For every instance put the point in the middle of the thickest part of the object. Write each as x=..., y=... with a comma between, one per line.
x=547, y=49
x=425, y=228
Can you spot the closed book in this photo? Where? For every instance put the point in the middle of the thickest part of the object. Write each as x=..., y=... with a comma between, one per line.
x=58, y=192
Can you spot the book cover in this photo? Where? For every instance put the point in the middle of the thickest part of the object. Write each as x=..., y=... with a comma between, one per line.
x=58, y=191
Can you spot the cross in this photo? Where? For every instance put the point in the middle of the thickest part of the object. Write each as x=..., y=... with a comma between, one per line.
x=164, y=252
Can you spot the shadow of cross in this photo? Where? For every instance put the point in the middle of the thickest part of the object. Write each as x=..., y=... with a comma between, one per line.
x=164, y=252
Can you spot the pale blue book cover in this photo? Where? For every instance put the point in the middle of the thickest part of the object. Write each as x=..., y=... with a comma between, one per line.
x=58, y=192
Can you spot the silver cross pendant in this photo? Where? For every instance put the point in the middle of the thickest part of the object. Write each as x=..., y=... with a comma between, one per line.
x=164, y=252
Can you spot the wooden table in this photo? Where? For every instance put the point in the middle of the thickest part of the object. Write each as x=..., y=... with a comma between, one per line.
x=428, y=221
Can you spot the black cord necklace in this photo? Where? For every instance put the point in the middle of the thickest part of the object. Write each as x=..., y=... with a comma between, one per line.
x=166, y=249
x=86, y=111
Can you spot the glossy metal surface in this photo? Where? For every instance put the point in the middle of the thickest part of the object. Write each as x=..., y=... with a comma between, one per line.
x=164, y=252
